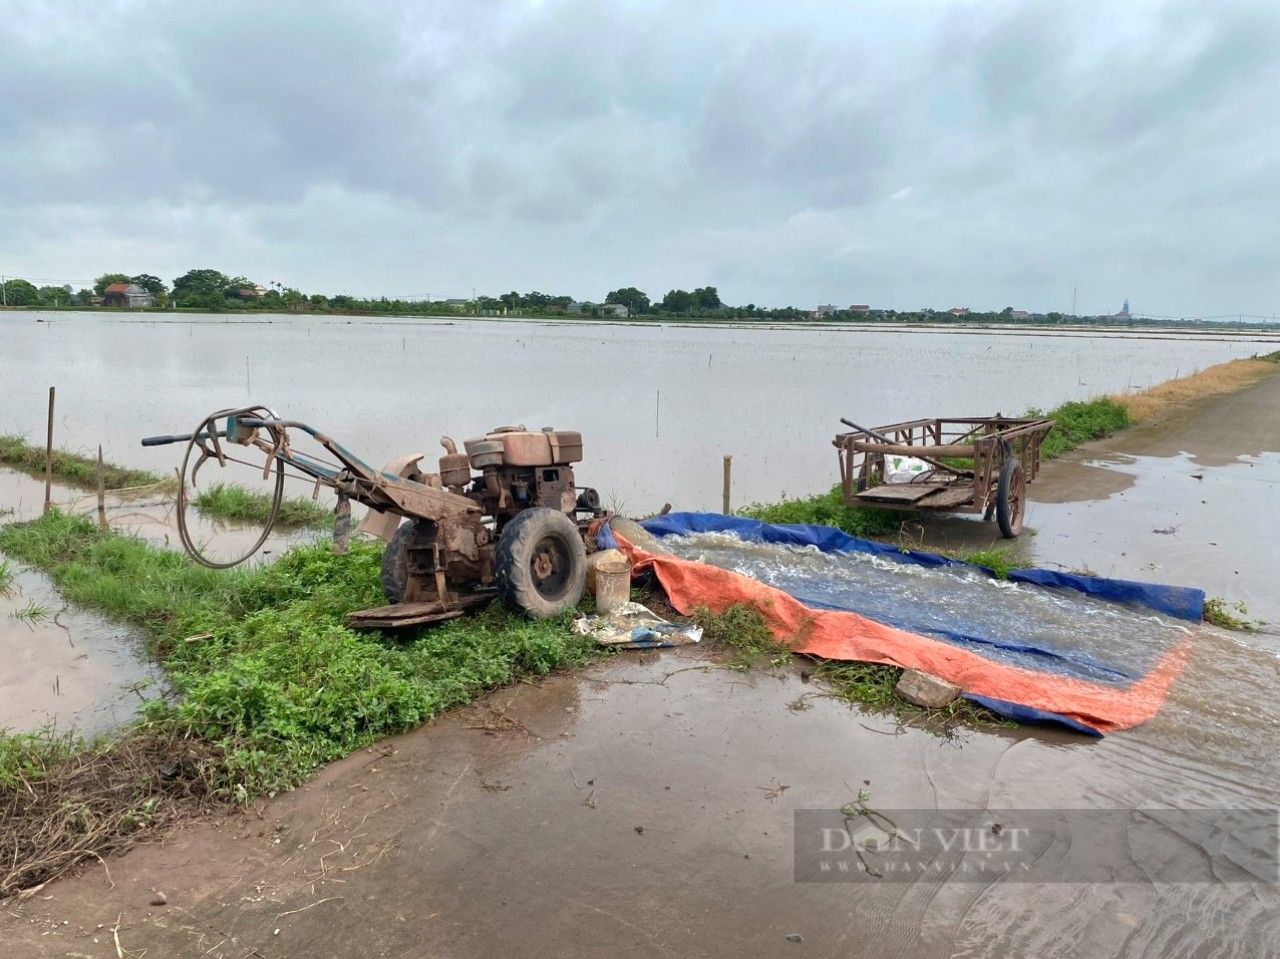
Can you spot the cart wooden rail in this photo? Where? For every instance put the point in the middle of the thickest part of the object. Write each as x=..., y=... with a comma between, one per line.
x=975, y=465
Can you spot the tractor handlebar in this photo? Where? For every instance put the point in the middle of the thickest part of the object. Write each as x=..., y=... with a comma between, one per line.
x=176, y=438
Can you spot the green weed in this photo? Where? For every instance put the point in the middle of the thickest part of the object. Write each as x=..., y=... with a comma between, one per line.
x=874, y=686
x=1080, y=422
x=995, y=560
x=1219, y=612
x=237, y=503
x=827, y=509
x=27, y=756
x=33, y=614
x=6, y=577
x=743, y=629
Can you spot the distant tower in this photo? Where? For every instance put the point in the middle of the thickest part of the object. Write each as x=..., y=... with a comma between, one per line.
x=1126, y=306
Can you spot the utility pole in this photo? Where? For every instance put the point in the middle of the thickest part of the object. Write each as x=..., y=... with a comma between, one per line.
x=4, y=290
x=1073, y=300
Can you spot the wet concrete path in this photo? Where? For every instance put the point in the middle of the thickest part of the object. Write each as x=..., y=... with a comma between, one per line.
x=644, y=808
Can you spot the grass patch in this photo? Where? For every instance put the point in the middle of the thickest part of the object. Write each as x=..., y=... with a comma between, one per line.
x=6, y=577
x=237, y=503
x=1080, y=422
x=1218, y=612
x=827, y=509
x=1214, y=381
x=996, y=560
x=743, y=629
x=873, y=685
x=74, y=468
x=266, y=679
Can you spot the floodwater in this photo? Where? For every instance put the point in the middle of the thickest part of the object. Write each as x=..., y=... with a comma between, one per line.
x=659, y=406
x=1180, y=520
x=70, y=668
x=653, y=799
x=1060, y=630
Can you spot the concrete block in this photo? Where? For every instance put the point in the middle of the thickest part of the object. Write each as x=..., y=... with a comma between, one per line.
x=925, y=690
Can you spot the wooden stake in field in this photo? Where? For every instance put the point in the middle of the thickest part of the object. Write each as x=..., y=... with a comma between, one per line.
x=48, y=458
x=102, y=486
x=728, y=479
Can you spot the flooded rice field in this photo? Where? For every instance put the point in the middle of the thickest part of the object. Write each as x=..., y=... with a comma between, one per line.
x=658, y=406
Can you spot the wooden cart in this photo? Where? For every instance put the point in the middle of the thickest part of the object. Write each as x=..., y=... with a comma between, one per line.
x=972, y=465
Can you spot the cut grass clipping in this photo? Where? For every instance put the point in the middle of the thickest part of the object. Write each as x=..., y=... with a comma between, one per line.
x=265, y=678
x=743, y=629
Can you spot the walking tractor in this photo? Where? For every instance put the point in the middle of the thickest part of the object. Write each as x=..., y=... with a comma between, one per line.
x=974, y=465
x=502, y=518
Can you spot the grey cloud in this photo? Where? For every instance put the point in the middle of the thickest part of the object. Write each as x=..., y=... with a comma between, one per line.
x=903, y=154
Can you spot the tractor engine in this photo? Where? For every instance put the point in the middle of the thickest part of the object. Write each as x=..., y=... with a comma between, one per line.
x=533, y=555
x=519, y=469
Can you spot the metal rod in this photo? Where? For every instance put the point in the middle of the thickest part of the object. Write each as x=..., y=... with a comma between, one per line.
x=728, y=479
x=102, y=501
x=48, y=457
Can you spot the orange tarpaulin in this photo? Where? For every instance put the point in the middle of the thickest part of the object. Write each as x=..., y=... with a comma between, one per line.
x=843, y=635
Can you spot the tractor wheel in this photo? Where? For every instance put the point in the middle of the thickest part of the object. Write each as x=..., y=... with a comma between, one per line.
x=1011, y=497
x=542, y=564
x=395, y=563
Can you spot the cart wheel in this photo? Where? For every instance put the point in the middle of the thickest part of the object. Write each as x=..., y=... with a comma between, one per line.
x=542, y=564
x=1011, y=497
x=395, y=563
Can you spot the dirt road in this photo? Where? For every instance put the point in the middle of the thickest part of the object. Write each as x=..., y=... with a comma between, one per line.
x=645, y=807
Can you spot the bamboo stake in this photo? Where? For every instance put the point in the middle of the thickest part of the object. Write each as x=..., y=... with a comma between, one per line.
x=728, y=478
x=48, y=458
x=102, y=501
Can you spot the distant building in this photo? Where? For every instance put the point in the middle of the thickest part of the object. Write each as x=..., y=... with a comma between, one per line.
x=959, y=311
x=824, y=309
x=127, y=295
x=1124, y=314
x=616, y=309
x=860, y=308
x=1020, y=314
x=456, y=304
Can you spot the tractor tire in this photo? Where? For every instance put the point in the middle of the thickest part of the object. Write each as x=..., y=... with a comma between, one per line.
x=541, y=563
x=1011, y=497
x=395, y=563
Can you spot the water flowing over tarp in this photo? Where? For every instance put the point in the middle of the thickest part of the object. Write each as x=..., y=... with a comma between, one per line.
x=1011, y=665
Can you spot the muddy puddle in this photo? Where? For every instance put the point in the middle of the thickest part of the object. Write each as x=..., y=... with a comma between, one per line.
x=66, y=666
x=1171, y=519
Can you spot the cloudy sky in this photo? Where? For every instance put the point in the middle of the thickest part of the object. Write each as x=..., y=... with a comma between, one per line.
x=901, y=154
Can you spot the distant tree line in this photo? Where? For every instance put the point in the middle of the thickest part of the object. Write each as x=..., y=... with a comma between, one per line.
x=212, y=290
